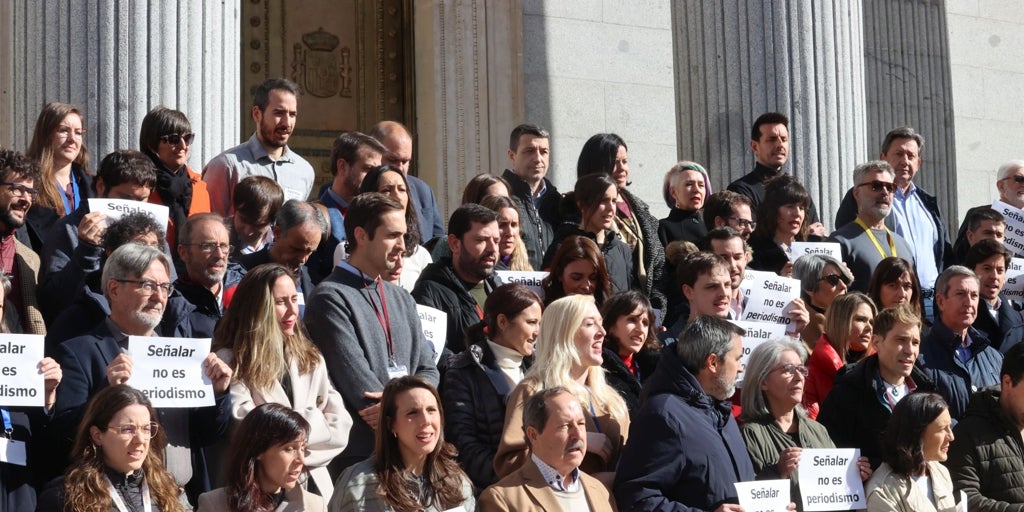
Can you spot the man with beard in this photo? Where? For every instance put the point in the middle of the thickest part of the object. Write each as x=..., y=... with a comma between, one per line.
x=266, y=153
x=396, y=138
x=866, y=241
x=18, y=176
x=685, y=449
x=209, y=279
x=136, y=281
x=459, y=285
x=368, y=329
x=298, y=229
x=556, y=431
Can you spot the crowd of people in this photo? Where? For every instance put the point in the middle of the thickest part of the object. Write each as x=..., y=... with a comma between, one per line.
x=610, y=383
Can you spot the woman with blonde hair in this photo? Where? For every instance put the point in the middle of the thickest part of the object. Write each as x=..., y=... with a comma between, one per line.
x=118, y=459
x=274, y=361
x=569, y=354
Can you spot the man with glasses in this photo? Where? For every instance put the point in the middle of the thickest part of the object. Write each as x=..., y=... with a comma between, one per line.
x=209, y=279
x=1010, y=183
x=727, y=208
x=136, y=281
x=74, y=246
x=18, y=176
x=866, y=241
x=916, y=215
x=266, y=153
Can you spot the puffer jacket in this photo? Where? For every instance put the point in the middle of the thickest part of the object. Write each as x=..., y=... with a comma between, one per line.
x=440, y=288
x=687, y=450
x=986, y=460
x=953, y=379
x=474, y=392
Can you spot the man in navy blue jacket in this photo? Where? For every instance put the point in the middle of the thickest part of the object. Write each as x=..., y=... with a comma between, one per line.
x=685, y=450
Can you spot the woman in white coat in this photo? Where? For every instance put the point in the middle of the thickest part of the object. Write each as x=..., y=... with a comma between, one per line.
x=274, y=361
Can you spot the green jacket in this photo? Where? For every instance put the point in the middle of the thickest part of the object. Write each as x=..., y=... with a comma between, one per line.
x=356, y=491
x=765, y=440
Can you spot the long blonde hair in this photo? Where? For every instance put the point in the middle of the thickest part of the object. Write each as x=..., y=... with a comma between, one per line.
x=41, y=149
x=556, y=354
x=250, y=329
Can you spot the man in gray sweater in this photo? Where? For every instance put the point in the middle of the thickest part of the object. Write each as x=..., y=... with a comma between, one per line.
x=368, y=329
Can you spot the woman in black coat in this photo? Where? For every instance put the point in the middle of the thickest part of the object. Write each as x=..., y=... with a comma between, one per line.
x=685, y=189
x=479, y=380
x=781, y=220
x=631, y=348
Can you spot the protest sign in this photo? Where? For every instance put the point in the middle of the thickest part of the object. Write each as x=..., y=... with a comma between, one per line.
x=756, y=334
x=753, y=276
x=21, y=384
x=769, y=296
x=798, y=249
x=116, y=208
x=1014, y=287
x=763, y=495
x=830, y=480
x=531, y=279
x=434, y=323
x=169, y=371
x=1013, y=238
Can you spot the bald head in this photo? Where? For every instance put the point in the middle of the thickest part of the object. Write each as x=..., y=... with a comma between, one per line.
x=394, y=136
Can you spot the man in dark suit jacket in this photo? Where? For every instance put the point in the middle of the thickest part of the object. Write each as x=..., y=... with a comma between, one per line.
x=396, y=137
x=136, y=282
x=551, y=479
x=999, y=318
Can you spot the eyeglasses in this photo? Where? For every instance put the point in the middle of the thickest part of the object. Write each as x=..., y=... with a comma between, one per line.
x=129, y=430
x=1017, y=178
x=175, y=138
x=209, y=247
x=833, y=279
x=743, y=223
x=790, y=370
x=66, y=132
x=150, y=287
x=20, y=190
x=878, y=186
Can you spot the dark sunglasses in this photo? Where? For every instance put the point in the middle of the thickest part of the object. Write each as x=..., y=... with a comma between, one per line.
x=834, y=279
x=175, y=138
x=1017, y=178
x=878, y=186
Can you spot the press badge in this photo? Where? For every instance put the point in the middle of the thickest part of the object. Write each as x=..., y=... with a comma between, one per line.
x=13, y=452
x=397, y=370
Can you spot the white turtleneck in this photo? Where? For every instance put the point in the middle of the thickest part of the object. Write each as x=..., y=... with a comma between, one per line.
x=509, y=361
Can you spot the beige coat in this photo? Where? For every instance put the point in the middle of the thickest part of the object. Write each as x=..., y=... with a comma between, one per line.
x=295, y=500
x=317, y=401
x=526, y=491
x=891, y=492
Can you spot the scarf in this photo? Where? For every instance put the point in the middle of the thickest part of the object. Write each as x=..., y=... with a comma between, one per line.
x=175, y=190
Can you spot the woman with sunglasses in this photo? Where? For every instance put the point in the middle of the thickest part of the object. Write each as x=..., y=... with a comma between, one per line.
x=894, y=282
x=846, y=339
x=166, y=137
x=775, y=427
x=822, y=279
x=781, y=220
x=118, y=460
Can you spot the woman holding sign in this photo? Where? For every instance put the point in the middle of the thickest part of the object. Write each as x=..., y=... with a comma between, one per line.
x=775, y=426
x=118, y=459
x=781, y=220
x=912, y=477
x=273, y=360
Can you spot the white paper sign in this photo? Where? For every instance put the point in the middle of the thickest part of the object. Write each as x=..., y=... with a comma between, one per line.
x=769, y=296
x=116, y=208
x=529, y=278
x=1013, y=239
x=13, y=452
x=169, y=371
x=1014, y=287
x=799, y=249
x=21, y=384
x=753, y=276
x=756, y=334
x=434, y=323
x=829, y=479
x=763, y=495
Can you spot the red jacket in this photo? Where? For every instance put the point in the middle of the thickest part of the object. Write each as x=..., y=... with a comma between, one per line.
x=200, y=202
x=822, y=366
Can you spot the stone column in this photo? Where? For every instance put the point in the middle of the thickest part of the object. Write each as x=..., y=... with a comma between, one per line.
x=116, y=60
x=469, y=90
x=737, y=59
x=909, y=83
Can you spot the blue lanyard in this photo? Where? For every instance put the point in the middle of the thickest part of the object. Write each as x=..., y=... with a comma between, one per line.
x=8, y=428
x=75, y=199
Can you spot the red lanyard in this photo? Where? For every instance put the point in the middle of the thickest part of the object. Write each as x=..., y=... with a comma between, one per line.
x=382, y=314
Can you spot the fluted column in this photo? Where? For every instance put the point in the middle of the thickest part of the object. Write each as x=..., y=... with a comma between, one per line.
x=736, y=59
x=909, y=83
x=469, y=90
x=116, y=59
